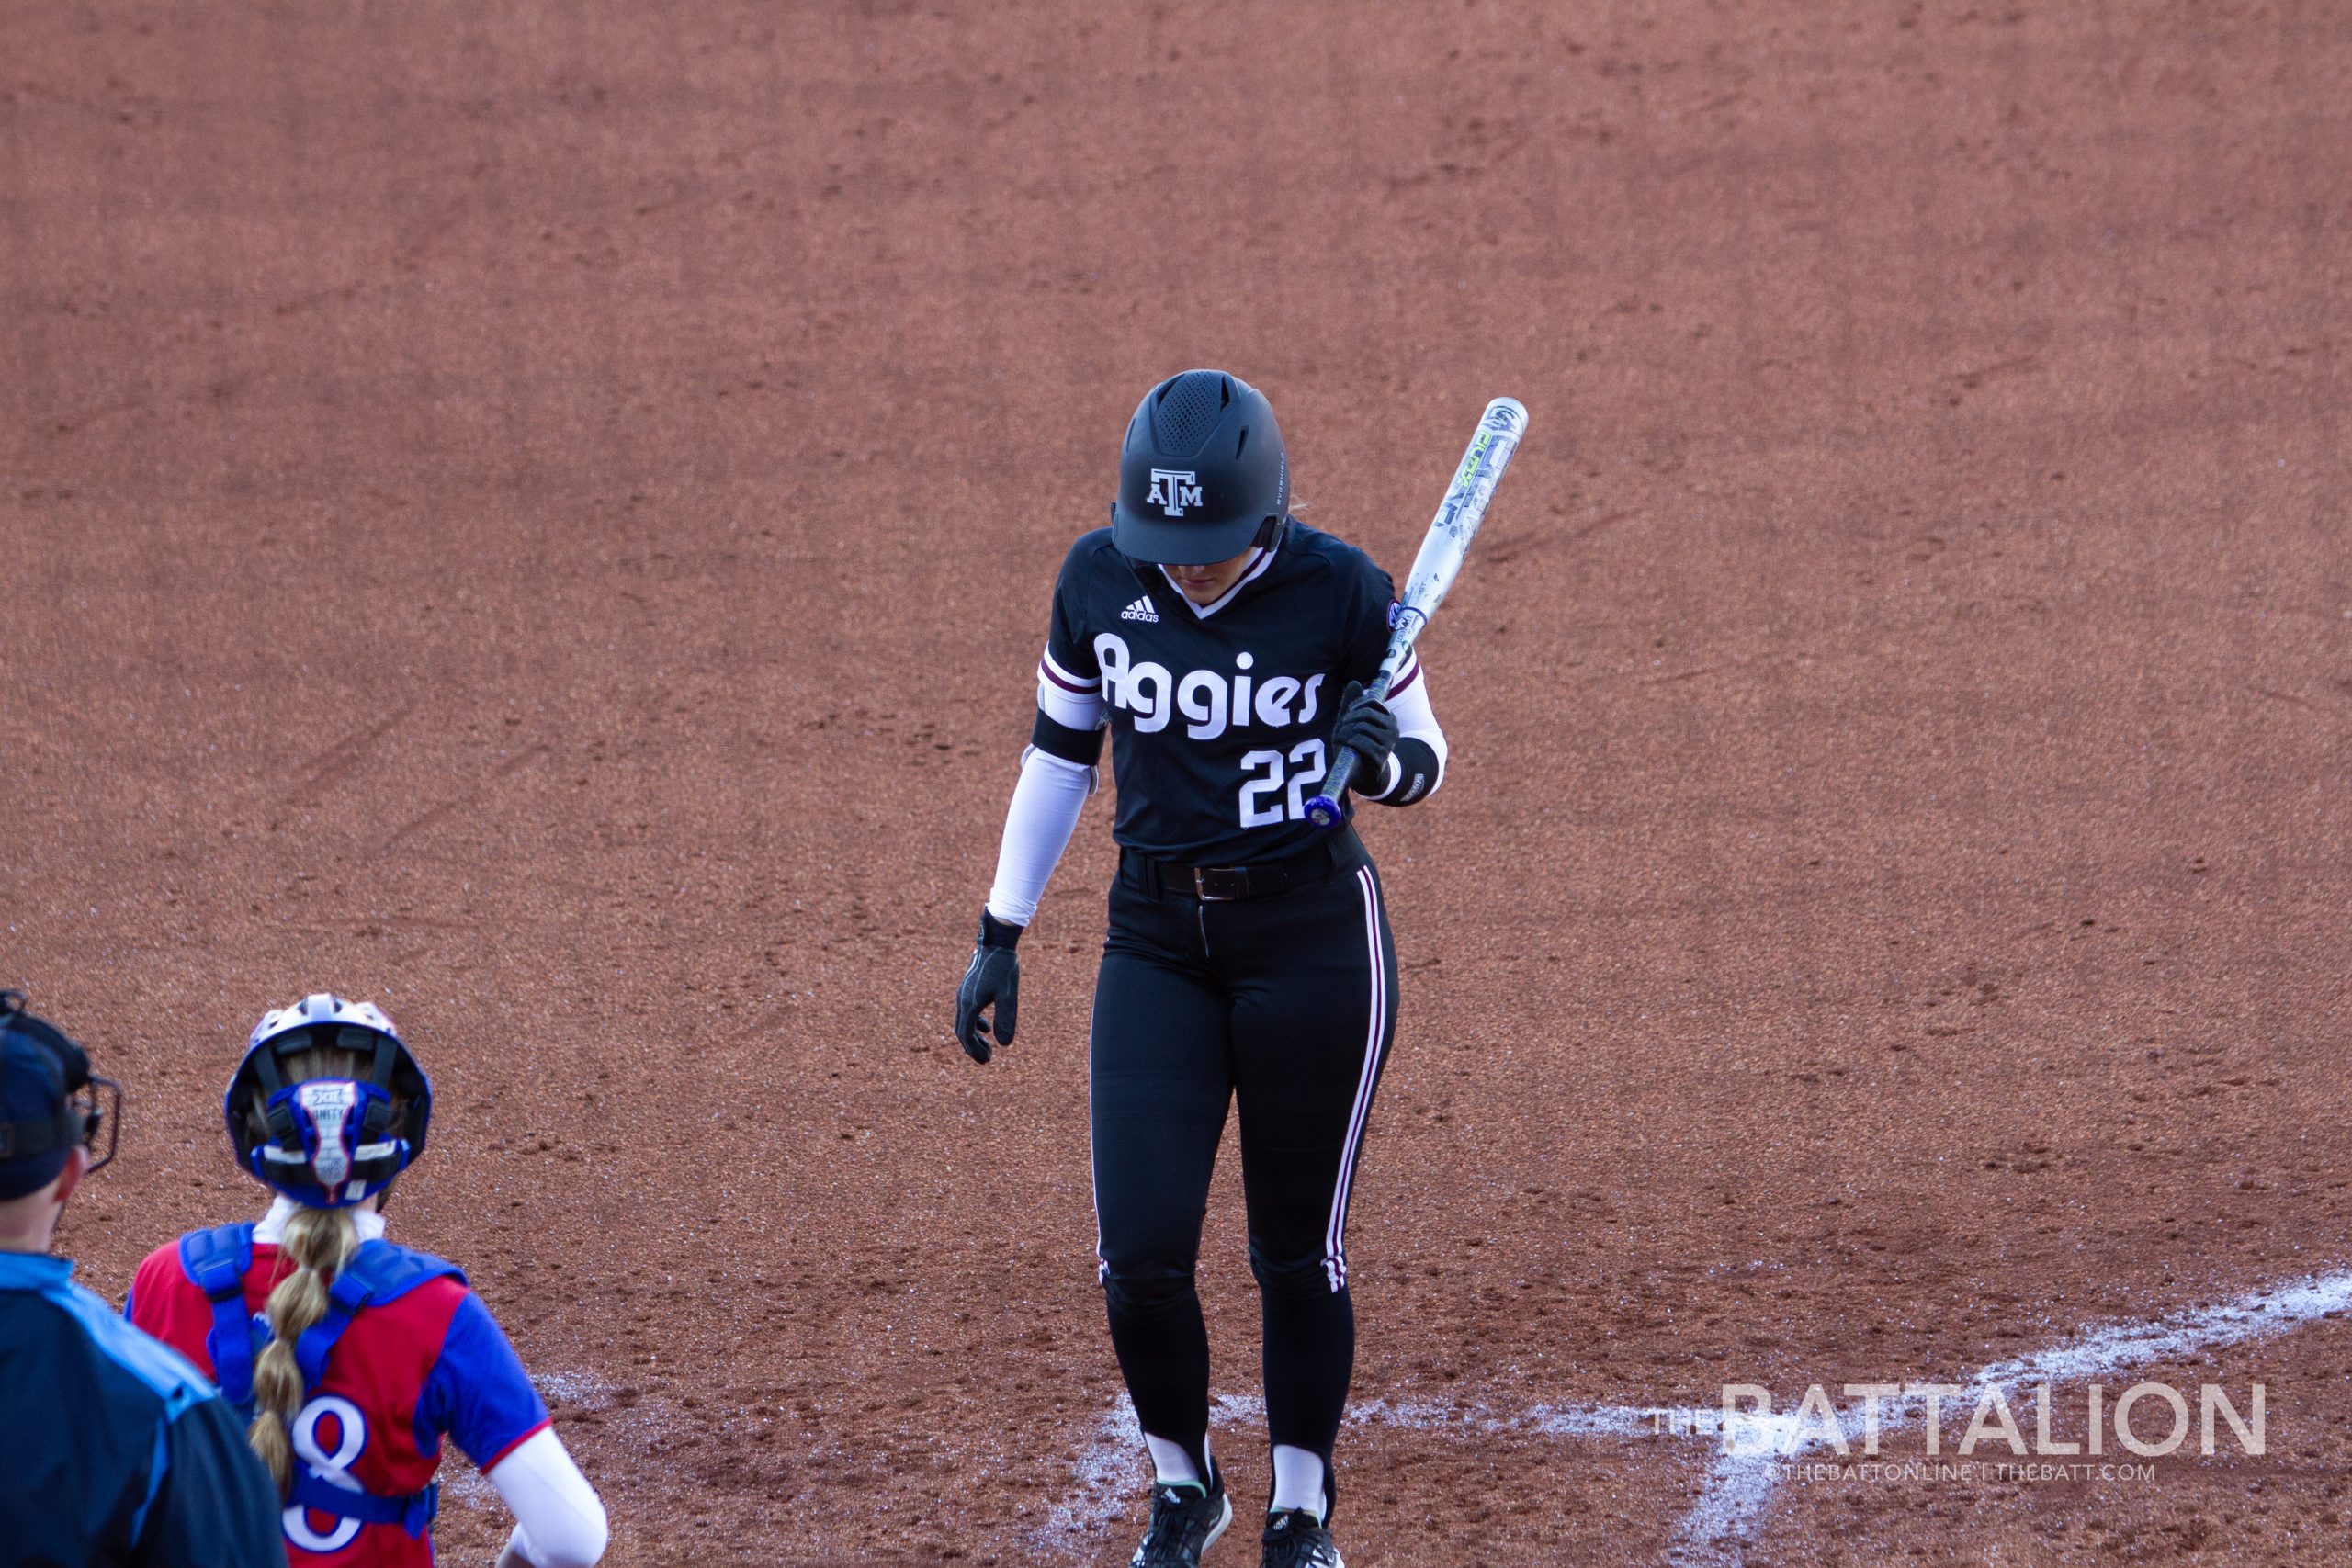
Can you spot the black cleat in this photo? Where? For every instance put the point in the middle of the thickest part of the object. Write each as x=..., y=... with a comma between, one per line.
x=1297, y=1539
x=1184, y=1521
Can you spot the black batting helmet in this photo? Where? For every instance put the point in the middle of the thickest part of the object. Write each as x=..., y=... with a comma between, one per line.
x=1202, y=475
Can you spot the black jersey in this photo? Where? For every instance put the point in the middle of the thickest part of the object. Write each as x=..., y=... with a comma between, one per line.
x=1220, y=716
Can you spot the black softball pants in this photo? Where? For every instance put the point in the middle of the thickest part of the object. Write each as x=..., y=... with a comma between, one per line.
x=1283, y=1006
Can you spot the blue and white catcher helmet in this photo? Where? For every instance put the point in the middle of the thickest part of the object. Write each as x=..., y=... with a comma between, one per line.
x=330, y=1143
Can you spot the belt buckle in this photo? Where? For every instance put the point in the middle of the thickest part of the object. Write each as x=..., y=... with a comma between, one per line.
x=1205, y=878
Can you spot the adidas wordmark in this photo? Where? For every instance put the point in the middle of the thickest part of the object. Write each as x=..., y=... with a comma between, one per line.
x=1140, y=610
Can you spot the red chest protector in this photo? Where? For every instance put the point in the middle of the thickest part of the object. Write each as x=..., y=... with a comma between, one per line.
x=217, y=1261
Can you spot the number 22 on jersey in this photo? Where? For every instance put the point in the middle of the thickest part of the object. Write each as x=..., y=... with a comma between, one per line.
x=1263, y=804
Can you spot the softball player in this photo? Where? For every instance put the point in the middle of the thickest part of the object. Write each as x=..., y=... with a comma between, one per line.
x=351, y=1357
x=1249, y=960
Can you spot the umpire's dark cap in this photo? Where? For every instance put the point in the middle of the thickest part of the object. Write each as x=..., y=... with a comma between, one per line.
x=42, y=1074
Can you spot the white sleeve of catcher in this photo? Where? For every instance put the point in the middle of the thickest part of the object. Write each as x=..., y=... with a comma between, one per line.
x=559, y=1520
x=1037, y=827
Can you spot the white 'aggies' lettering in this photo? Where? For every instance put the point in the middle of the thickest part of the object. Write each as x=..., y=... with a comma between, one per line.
x=1200, y=696
x=1274, y=697
x=1210, y=701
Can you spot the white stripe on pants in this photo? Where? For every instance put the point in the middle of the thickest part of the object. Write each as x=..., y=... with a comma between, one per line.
x=1334, y=1258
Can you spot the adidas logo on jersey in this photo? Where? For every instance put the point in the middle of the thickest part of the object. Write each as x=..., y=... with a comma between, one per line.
x=1140, y=610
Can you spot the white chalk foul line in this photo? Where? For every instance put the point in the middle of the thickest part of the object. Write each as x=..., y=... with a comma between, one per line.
x=1730, y=1509
x=1110, y=1467
x=1737, y=1492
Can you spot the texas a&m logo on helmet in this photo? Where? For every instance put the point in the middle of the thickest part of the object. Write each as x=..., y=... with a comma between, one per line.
x=1173, y=489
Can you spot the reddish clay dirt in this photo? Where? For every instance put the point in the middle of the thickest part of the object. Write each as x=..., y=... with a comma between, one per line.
x=545, y=520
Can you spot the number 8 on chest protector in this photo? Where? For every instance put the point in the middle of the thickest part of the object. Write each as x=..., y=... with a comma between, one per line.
x=353, y=1356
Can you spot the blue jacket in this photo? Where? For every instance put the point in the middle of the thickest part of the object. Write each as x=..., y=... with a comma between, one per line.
x=113, y=1449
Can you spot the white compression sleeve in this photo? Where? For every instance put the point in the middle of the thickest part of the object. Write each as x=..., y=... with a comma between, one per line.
x=1416, y=719
x=559, y=1520
x=1037, y=827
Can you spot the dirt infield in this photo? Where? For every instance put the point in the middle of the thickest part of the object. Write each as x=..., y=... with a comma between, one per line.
x=546, y=520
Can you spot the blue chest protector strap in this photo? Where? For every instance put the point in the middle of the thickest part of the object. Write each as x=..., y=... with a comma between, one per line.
x=379, y=1272
x=413, y=1513
x=216, y=1261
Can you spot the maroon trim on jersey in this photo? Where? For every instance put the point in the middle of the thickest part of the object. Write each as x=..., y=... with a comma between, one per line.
x=1411, y=675
x=1046, y=667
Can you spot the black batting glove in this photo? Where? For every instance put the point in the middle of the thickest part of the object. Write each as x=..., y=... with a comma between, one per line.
x=992, y=978
x=1367, y=728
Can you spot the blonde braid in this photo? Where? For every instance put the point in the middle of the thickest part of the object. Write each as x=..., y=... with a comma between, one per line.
x=320, y=1242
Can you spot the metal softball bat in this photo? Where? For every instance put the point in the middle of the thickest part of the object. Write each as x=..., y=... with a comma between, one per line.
x=1434, y=570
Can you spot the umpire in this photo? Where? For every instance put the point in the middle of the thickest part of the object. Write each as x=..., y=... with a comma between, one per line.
x=113, y=1449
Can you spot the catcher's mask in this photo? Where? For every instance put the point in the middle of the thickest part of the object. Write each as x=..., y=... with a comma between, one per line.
x=327, y=1143
x=37, y=1145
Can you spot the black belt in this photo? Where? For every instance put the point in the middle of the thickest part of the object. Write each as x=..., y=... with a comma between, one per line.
x=1260, y=879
